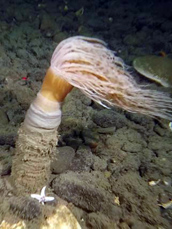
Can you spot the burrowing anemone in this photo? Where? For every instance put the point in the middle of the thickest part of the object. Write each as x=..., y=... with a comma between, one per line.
x=85, y=63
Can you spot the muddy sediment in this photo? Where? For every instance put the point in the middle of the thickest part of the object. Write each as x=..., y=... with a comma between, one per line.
x=112, y=169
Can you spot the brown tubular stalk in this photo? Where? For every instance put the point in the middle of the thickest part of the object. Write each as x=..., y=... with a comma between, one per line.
x=37, y=136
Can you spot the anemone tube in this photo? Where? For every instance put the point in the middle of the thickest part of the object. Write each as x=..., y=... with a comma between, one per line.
x=37, y=136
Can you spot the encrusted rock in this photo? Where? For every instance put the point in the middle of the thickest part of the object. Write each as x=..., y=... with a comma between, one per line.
x=92, y=186
x=25, y=208
x=62, y=159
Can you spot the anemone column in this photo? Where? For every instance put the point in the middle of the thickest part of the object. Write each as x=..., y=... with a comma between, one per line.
x=37, y=136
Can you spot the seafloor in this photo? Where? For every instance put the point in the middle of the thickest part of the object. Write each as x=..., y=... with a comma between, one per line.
x=107, y=158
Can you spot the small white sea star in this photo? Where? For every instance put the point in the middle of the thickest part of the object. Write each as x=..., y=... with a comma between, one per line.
x=42, y=198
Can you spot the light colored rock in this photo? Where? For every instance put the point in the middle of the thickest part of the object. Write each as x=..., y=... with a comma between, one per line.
x=61, y=219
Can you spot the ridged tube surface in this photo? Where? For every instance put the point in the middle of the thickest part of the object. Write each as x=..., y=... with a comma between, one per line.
x=33, y=154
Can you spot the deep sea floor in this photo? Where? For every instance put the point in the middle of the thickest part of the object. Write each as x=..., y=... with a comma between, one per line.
x=113, y=168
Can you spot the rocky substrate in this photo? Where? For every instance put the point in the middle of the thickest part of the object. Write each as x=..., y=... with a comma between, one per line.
x=112, y=168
